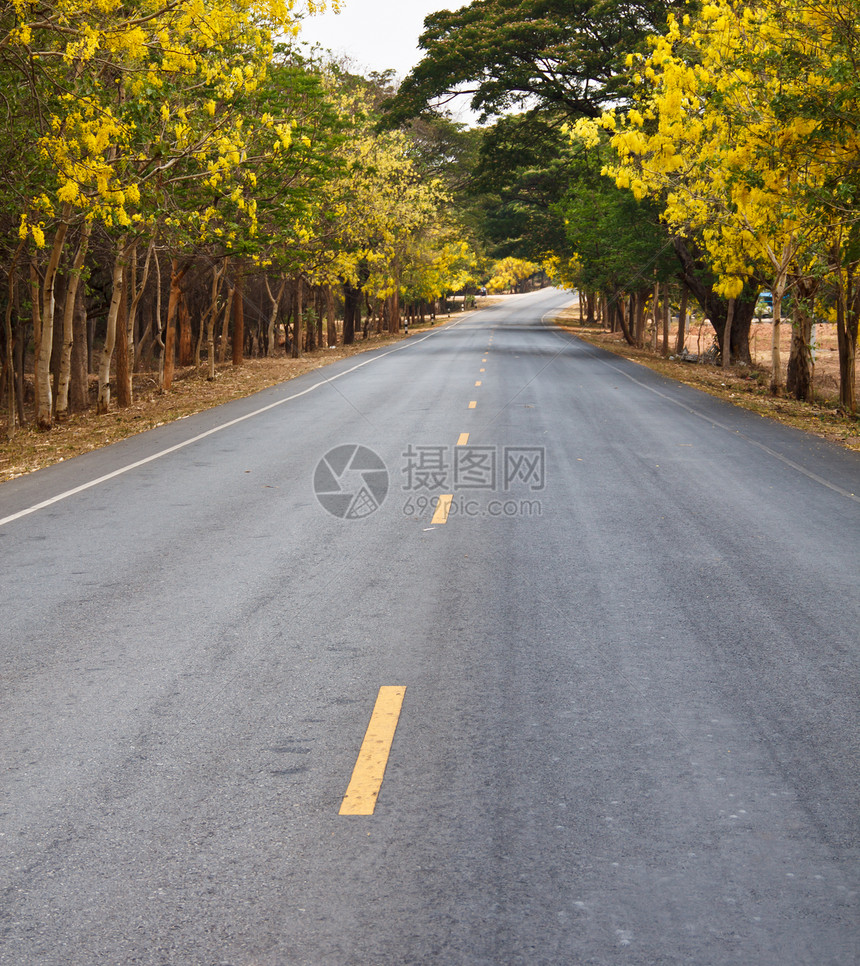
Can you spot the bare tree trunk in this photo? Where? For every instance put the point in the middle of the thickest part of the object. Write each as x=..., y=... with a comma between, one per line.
x=44, y=342
x=777, y=380
x=79, y=380
x=637, y=317
x=801, y=366
x=10, y=340
x=617, y=305
x=331, y=325
x=239, y=317
x=225, y=321
x=69, y=322
x=158, y=327
x=656, y=317
x=847, y=323
x=217, y=276
x=122, y=370
x=296, y=347
x=137, y=294
x=186, y=354
x=681, y=341
x=176, y=276
x=393, y=312
x=727, y=335
x=667, y=308
x=103, y=402
x=9, y=361
x=310, y=323
x=351, y=298
x=273, y=314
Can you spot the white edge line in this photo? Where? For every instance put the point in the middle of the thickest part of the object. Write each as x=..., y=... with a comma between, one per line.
x=210, y=432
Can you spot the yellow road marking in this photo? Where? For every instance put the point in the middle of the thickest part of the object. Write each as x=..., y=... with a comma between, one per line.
x=473, y=404
x=483, y=360
x=443, y=508
x=478, y=383
x=463, y=440
x=363, y=789
x=483, y=370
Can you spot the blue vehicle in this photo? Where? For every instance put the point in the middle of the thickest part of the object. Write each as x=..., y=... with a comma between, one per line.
x=764, y=305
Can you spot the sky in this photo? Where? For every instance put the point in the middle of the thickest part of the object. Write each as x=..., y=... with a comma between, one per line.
x=376, y=34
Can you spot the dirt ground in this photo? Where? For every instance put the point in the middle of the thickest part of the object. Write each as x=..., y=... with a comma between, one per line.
x=746, y=386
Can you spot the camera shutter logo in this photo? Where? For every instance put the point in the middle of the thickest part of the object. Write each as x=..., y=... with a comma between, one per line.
x=351, y=482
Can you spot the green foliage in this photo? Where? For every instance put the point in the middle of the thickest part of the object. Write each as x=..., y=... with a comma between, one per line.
x=507, y=54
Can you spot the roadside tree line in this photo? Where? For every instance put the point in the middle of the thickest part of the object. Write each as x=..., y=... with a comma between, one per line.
x=180, y=186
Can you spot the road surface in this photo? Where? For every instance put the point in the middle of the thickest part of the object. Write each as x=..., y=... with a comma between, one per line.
x=582, y=644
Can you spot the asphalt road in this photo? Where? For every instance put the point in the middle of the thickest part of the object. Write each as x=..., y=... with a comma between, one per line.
x=630, y=660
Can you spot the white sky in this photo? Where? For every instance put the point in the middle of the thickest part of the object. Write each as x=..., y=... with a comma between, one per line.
x=375, y=34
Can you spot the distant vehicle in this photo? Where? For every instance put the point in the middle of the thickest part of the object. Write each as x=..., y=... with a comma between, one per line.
x=764, y=305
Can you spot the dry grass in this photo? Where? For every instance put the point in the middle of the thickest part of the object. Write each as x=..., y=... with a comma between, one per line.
x=746, y=386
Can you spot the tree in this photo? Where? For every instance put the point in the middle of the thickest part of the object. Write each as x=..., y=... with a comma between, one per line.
x=724, y=134
x=507, y=54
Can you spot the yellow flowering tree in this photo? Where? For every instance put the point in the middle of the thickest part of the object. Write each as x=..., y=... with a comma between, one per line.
x=724, y=135
x=136, y=103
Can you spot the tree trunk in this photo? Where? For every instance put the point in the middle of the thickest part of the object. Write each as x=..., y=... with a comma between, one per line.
x=225, y=323
x=273, y=315
x=186, y=353
x=123, y=371
x=727, y=335
x=8, y=360
x=239, y=317
x=777, y=381
x=319, y=318
x=847, y=319
x=801, y=366
x=656, y=318
x=666, y=310
x=296, y=347
x=69, y=309
x=45, y=339
x=394, y=312
x=212, y=317
x=681, y=342
x=103, y=402
x=175, y=297
x=331, y=324
x=637, y=317
x=618, y=304
x=79, y=379
x=351, y=301
x=12, y=378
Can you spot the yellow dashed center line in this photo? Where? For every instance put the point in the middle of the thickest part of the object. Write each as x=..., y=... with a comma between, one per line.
x=478, y=383
x=363, y=790
x=473, y=404
x=463, y=440
x=443, y=508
